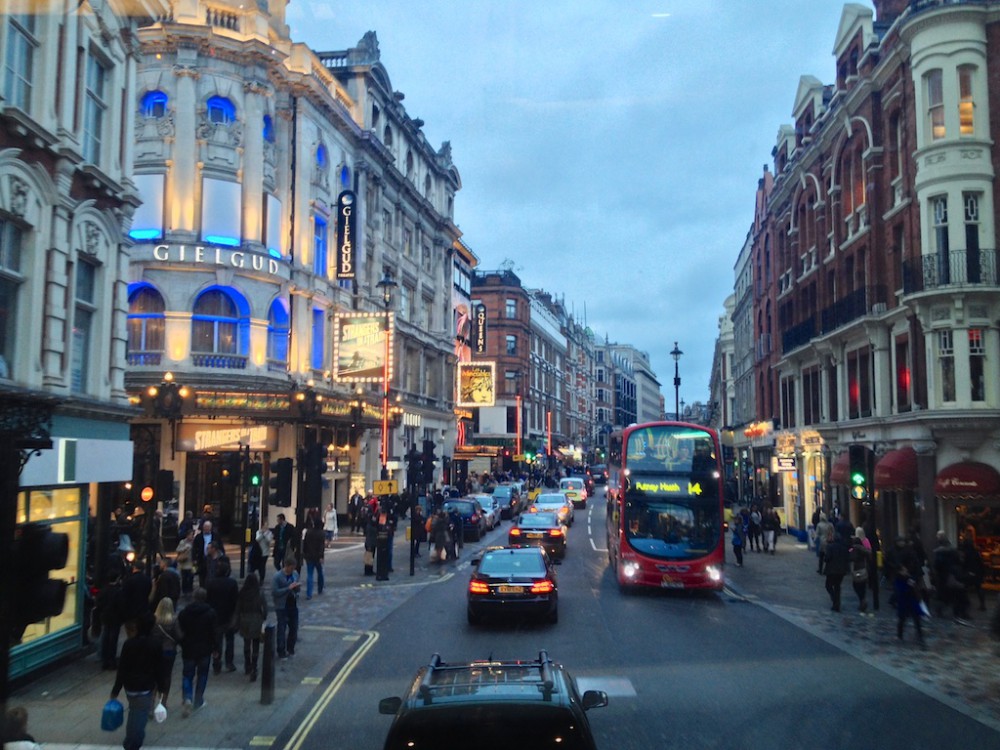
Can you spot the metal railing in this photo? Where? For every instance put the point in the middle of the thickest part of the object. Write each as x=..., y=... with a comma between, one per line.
x=956, y=268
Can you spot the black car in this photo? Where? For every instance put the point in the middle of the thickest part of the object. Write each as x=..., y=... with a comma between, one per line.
x=509, y=499
x=473, y=519
x=513, y=581
x=492, y=705
x=540, y=529
x=599, y=473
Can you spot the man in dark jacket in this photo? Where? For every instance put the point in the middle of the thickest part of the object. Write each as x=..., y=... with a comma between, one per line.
x=286, y=539
x=222, y=593
x=197, y=623
x=139, y=674
x=199, y=551
x=838, y=564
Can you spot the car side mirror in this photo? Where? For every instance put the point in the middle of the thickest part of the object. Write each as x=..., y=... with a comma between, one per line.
x=392, y=705
x=476, y=561
x=593, y=699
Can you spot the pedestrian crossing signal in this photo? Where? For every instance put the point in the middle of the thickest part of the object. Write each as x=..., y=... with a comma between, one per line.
x=280, y=485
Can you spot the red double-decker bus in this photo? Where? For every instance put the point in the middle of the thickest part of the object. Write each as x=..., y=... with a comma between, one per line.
x=665, y=512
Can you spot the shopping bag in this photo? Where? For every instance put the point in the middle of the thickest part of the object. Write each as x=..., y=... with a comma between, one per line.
x=113, y=715
x=160, y=713
x=924, y=611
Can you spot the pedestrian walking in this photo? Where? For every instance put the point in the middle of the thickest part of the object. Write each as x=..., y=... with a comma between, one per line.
x=139, y=674
x=769, y=525
x=313, y=546
x=203, y=540
x=251, y=614
x=284, y=592
x=906, y=588
x=261, y=550
x=756, y=532
x=418, y=528
x=975, y=568
x=222, y=592
x=837, y=565
x=167, y=636
x=15, y=731
x=949, y=579
x=439, y=535
x=167, y=584
x=330, y=525
x=197, y=623
x=824, y=533
x=286, y=541
x=860, y=551
x=738, y=539
x=185, y=562
x=354, y=506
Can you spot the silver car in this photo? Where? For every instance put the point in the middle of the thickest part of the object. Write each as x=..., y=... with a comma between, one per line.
x=554, y=502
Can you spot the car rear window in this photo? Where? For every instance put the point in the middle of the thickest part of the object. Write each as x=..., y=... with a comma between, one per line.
x=573, y=484
x=539, y=521
x=461, y=507
x=513, y=563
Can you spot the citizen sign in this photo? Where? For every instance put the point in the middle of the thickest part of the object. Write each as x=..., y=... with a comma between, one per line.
x=215, y=256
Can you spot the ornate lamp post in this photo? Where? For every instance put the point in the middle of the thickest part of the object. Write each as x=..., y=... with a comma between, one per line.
x=386, y=285
x=676, y=354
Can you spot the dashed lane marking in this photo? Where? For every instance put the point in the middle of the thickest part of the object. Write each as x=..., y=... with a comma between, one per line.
x=260, y=741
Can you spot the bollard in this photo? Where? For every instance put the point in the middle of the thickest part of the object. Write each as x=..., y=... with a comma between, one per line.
x=267, y=667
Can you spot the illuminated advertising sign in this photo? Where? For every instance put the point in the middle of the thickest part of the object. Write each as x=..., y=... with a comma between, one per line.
x=668, y=487
x=359, y=347
x=476, y=383
x=345, y=235
x=198, y=437
x=479, y=329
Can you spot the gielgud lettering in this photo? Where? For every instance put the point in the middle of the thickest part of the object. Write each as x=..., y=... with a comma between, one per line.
x=217, y=256
x=346, y=247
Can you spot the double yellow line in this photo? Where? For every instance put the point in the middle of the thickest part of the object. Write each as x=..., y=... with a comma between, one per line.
x=295, y=743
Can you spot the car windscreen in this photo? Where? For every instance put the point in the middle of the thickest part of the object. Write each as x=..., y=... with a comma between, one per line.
x=538, y=521
x=511, y=563
x=551, y=499
x=494, y=726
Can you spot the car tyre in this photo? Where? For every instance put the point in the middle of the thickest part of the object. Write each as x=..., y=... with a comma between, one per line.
x=553, y=616
x=472, y=617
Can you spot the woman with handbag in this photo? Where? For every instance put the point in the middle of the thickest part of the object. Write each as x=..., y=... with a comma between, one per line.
x=860, y=549
x=165, y=633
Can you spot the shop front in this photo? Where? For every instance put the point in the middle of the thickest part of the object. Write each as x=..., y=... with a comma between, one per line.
x=896, y=482
x=969, y=496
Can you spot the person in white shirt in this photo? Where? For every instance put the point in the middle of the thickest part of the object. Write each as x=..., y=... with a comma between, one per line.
x=330, y=524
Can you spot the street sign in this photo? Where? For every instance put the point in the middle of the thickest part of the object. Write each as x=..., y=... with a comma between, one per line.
x=519, y=457
x=386, y=487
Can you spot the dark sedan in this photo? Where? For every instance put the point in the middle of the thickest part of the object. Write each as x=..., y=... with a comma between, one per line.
x=473, y=518
x=513, y=581
x=542, y=530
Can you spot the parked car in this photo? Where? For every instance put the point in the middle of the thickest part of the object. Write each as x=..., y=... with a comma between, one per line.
x=513, y=581
x=509, y=499
x=473, y=520
x=490, y=704
x=491, y=510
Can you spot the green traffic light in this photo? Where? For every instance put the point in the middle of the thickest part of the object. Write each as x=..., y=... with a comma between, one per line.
x=857, y=478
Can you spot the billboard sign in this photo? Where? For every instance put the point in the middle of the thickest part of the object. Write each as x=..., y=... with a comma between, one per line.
x=346, y=233
x=359, y=347
x=476, y=383
x=479, y=329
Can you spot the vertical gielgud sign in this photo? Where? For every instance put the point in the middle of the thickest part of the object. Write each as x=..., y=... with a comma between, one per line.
x=345, y=235
x=479, y=329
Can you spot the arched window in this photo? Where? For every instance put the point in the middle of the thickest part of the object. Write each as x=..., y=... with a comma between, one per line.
x=221, y=110
x=387, y=137
x=345, y=177
x=154, y=104
x=277, y=334
x=268, y=129
x=146, y=324
x=215, y=324
x=321, y=157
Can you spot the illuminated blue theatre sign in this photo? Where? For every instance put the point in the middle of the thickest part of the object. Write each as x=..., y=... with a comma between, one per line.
x=210, y=255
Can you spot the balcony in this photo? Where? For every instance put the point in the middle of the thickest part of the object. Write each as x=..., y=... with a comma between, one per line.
x=798, y=335
x=144, y=359
x=219, y=361
x=960, y=268
x=857, y=304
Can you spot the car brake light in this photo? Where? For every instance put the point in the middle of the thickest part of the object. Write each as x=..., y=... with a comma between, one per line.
x=478, y=587
x=543, y=587
x=515, y=532
x=475, y=518
x=555, y=532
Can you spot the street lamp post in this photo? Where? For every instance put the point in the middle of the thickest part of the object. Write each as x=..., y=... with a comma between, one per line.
x=676, y=354
x=386, y=285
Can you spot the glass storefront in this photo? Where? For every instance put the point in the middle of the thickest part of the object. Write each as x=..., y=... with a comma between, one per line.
x=63, y=509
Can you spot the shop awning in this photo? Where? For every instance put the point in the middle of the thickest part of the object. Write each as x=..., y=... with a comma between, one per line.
x=897, y=470
x=967, y=479
x=841, y=469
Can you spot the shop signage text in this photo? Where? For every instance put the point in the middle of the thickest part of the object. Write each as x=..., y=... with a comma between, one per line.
x=202, y=437
x=215, y=256
x=480, y=329
x=345, y=235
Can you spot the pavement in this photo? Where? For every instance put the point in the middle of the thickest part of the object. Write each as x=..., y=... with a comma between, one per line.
x=958, y=666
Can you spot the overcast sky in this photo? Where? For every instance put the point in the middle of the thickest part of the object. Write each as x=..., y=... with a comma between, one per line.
x=610, y=149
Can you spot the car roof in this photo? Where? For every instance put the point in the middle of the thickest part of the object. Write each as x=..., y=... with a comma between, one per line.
x=489, y=680
x=551, y=497
x=572, y=480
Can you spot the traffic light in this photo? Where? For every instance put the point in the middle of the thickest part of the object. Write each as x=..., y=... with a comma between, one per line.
x=428, y=460
x=508, y=462
x=314, y=467
x=859, y=475
x=255, y=474
x=414, y=467
x=37, y=551
x=163, y=491
x=231, y=468
x=280, y=484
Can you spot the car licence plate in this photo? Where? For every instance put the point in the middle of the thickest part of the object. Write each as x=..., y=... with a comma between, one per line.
x=534, y=535
x=572, y=495
x=670, y=583
x=504, y=589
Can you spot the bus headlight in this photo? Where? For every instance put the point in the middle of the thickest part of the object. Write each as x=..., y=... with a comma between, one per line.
x=630, y=569
x=714, y=573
